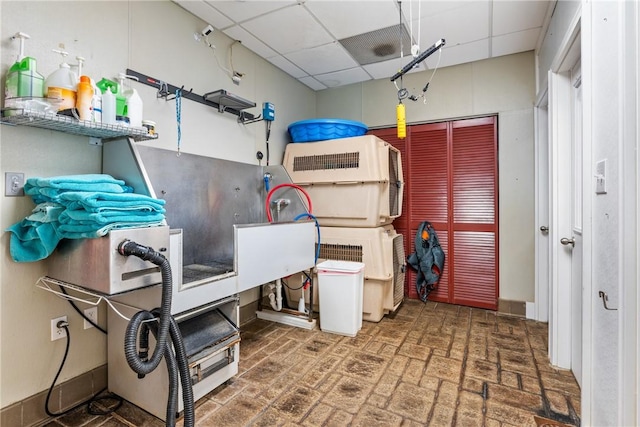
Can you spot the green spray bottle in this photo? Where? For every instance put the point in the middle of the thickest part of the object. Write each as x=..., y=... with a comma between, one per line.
x=23, y=81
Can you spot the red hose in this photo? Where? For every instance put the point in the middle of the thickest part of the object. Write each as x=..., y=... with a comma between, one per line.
x=267, y=201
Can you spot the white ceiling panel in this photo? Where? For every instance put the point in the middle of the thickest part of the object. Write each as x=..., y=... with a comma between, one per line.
x=345, y=77
x=508, y=43
x=289, y=30
x=285, y=65
x=250, y=42
x=312, y=83
x=322, y=59
x=512, y=16
x=205, y=12
x=461, y=54
x=301, y=37
x=339, y=17
x=240, y=11
x=425, y=9
x=471, y=23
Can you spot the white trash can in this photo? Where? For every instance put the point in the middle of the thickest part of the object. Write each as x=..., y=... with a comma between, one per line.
x=340, y=285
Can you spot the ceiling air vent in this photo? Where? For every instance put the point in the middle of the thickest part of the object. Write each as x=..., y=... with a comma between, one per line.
x=379, y=45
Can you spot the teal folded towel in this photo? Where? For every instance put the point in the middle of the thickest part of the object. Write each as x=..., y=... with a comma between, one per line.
x=100, y=202
x=76, y=207
x=89, y=231
x=49, y=189
x=46, y=212
x=73, y=217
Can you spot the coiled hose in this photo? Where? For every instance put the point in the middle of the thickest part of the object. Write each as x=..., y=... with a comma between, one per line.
x=167, y=328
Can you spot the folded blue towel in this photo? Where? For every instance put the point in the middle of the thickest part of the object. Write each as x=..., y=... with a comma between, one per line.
x=77, y=231
x=100, y=202
x=76, y=207
x=75, y=182
x=46, y=212
x=49, y=189
x=72, y=217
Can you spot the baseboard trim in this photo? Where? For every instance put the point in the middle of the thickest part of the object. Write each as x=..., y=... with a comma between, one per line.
x=30, y=412
x=512, y=308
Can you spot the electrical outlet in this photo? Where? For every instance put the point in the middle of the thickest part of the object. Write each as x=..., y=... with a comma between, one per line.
x=56, y=332
x=13, y=184
x=91, y=313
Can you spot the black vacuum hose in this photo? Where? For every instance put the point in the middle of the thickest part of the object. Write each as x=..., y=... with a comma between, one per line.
x=167, y=328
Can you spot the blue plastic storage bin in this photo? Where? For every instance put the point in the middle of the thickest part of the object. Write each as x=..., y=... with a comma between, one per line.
x=325, y=129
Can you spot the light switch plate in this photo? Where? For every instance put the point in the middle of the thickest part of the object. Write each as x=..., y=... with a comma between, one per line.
x=601, y=177
x=13, y=184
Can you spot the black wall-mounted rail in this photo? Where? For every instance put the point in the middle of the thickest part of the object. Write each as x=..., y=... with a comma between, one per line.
x=188, y=94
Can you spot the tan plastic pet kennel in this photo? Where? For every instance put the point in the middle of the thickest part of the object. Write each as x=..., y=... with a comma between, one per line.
x=352, y=182
x=381, y=250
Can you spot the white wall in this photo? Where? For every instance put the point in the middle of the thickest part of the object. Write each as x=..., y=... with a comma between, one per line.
x=153, y=38
x=504, y=86
x=609, y=35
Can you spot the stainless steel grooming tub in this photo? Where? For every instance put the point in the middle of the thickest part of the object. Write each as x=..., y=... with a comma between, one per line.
x=218, y=243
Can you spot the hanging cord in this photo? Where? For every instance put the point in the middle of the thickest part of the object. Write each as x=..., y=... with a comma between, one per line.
x=90, y=401
x=75, y=307
x=424, y=89
x=178, y=116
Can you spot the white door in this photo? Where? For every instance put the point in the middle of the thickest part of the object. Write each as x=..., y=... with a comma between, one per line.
x=565, y=234
x=576, y=224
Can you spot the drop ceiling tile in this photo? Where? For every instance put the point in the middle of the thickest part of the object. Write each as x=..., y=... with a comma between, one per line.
x=312, y=83
x=249, y=41
x=386, y=69
x=289, y=30
x=425, y=9
x=457, y=26
x=345, y=77
x=460, y=54
x=349, y=18
x=322, y=59
x=205, y=12
x=286, y=66
x=521, y=41
x=512, y=16
x=240, y=11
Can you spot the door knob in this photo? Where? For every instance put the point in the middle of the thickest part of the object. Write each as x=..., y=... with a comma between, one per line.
x=544, y=229
x=565, y=241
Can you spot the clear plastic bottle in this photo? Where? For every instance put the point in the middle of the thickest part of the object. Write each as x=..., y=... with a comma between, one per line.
x=108, y=89
x=96, y=104
x=132, y=100
x=134, y=107
x=61, y=85
x=84, y=98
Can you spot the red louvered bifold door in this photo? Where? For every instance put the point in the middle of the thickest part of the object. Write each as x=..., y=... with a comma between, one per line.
x=474, y=223
x=450, y=174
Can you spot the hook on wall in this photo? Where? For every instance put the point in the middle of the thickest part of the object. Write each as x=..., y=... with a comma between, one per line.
x=241, y=119
x=169, y=97
x=163, y=91
x=605, y=299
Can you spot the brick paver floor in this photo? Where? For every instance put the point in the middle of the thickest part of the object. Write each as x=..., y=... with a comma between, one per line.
x=427, y=364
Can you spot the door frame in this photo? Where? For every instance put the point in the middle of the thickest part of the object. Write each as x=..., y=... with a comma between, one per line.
x=629, y=390
x=542, y=271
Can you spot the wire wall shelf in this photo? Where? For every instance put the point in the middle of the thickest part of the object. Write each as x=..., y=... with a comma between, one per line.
x=81, y=294
x=40, y=119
